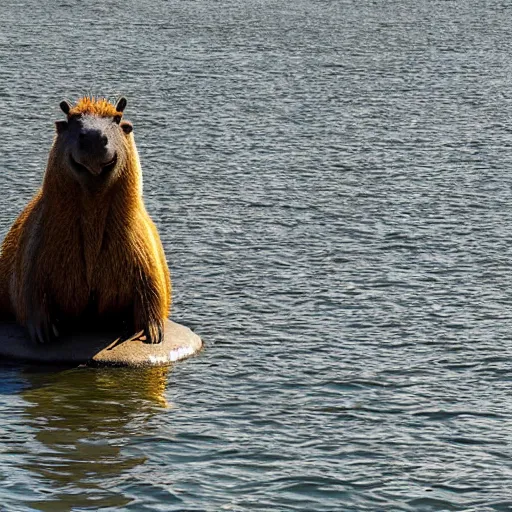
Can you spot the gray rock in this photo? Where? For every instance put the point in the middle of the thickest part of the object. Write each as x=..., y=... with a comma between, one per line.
x=100, y=349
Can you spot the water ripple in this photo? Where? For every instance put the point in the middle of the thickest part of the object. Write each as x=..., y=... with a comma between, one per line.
x=331, y=184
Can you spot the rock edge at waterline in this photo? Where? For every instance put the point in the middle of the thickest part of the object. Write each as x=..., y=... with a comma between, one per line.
x=100, y=349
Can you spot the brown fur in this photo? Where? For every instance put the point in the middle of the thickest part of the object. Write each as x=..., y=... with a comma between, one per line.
x=71, y=254
x=98, y=107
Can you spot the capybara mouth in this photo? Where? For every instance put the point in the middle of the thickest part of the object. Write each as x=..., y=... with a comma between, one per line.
x=105, y=169
x=76, y=166
x=109, y=166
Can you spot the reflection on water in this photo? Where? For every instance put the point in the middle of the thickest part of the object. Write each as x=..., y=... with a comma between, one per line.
x=82, y=419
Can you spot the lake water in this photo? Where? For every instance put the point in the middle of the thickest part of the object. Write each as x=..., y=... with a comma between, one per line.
x=332, y=184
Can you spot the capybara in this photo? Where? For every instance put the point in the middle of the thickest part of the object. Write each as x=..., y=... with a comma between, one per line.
x=84, y=251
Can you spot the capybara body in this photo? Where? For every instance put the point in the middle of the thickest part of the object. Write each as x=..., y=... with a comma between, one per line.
x=84, y=251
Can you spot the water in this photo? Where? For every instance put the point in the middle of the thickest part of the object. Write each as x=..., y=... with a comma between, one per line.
x=331, y=181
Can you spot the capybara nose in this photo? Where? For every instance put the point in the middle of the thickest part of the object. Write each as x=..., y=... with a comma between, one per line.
x=92, y=141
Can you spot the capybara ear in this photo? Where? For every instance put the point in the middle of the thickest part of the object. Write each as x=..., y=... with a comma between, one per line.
x=61, y=126
x=121, y=104
x=127, y=127
x=65, y=107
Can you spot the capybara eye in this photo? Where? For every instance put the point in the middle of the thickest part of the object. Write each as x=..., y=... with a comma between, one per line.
x=117, y=119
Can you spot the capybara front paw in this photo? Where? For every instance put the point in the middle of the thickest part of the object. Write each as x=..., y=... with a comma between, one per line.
x=154, y=332
x=41, y=330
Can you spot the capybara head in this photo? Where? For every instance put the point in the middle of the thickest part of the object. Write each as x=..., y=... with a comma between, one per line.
x=92, y=141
